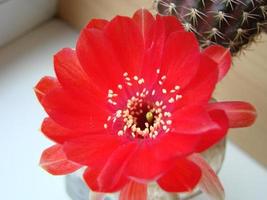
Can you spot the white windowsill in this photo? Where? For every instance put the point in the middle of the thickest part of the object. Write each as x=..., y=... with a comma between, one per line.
x=19, y=16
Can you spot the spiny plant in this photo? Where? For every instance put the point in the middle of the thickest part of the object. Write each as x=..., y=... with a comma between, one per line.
x=233, y=24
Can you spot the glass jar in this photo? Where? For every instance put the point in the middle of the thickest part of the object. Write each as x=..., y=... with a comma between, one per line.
x=78, y=190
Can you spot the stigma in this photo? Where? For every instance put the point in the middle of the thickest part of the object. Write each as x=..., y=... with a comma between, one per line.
x=149, y=117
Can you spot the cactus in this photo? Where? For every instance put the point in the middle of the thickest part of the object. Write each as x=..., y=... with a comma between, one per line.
x=233, y=24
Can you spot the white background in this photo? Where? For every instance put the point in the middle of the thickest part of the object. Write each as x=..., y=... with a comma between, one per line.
x=19, y=16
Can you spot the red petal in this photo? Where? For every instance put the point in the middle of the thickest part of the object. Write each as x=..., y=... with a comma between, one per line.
x=192, y=119
x=97, y=23
x=154, y=50
x=166, y=25
x=211, y=137
x=200, y=89
x=91, y=178
x=155, y=43
x=74, y=114
x=73, y=78
x=134, y=191
x=239, y=114
x=44, y=86
x=171, y=24
x=127, y=42
x=144, y=165
x=145, y=21
x=154, y=158
x=92, y=150
x=181, y=178
x=180, y=59
x=148, y=25
x=57, y=133
x=97, y=57
x=173, y=145
x=54, y=161
x=114, y=169
x=221, y=56
x=209, y=183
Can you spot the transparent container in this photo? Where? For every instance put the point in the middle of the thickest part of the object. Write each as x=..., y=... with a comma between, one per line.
x=77, y=189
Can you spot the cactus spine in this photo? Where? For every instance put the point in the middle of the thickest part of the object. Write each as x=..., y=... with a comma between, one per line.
x=233, y=24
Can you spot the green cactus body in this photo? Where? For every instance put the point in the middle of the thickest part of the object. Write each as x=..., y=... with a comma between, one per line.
x=230, y=23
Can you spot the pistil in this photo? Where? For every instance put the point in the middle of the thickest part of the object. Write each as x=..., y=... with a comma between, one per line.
x=149, y=117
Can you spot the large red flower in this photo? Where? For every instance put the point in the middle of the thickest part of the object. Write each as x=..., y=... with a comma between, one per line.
x=132, y=103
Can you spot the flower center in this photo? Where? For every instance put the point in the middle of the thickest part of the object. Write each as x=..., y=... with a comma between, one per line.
x=143, y=116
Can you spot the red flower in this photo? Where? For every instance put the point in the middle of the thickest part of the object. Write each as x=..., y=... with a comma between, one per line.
x=132, y=103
